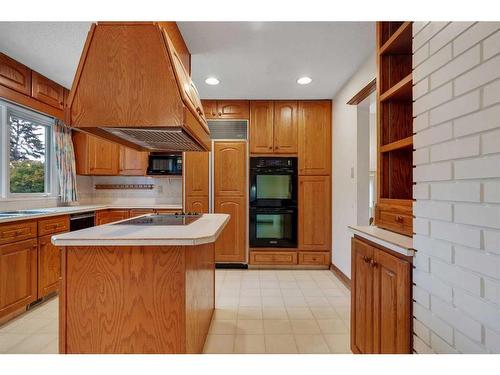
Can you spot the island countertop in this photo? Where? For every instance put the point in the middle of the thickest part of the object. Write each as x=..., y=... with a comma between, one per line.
x=204, y=230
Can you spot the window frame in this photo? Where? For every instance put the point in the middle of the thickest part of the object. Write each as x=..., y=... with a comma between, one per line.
x=51, y=185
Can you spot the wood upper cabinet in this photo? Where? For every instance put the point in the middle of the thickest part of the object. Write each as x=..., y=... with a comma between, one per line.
x=285, y=127
x=95, y=156
x=361, y=298
x=18, y=275
x=226, y=109
x=196, y=172
x=380, y=301
x=314, y=213
x=231, y=244
x=109, y=216
x=47, y=91
x=230, y=169
x=14, y=75
x=315, y=137
x=49, y=266
x=133, y=162
x=261, y=126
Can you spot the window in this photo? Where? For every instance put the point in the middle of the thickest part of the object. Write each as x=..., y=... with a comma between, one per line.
x=26, y=159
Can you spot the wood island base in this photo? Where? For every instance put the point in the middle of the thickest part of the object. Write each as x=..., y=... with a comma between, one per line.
x=136, y=299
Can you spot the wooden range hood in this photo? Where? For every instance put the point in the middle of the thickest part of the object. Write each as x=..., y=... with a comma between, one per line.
x=132, y=88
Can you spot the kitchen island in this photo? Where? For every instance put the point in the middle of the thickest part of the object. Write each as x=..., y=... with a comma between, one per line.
x=138, y=288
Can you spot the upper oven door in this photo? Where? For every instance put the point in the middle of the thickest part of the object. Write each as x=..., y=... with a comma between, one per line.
x=273, y=186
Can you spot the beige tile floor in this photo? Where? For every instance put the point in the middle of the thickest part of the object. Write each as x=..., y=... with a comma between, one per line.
x=279, y=311
x=257, y=311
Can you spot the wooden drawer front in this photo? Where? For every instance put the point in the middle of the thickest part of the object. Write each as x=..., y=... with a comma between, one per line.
x=53, y=225
x=17, y=231
x=273, y=257
x=314, y=258
x=395, y=221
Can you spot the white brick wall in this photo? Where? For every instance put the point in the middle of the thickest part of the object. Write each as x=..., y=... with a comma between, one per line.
x=457, y=187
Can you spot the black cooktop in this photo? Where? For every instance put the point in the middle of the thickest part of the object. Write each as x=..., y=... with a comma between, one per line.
x=162, y=219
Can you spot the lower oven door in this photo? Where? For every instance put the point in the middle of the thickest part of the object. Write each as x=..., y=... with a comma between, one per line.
x=270, y=227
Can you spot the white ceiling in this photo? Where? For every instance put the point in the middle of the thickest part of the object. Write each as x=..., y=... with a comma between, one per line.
x=262, y=60
x=51, y=48
x=251, y=59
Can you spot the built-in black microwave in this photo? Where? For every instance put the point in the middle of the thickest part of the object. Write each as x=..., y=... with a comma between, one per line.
x=165, y=164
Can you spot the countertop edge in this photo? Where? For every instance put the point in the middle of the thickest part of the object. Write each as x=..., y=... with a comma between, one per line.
x=392, y=245
x=68, y=211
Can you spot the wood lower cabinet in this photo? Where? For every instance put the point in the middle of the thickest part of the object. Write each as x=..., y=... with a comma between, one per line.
x=231, y=244
x=284, y=258
x=95, y=156
x=49, y=266
x=380, y=300
x=132, y=162
x=18, y=275
x=314, y=224
x=197, y=204
x=315, y=137
x=109, y=216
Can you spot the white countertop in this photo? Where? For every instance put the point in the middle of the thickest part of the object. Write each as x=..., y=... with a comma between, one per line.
x=393, y=241
x=54, y=211
x=204, y=230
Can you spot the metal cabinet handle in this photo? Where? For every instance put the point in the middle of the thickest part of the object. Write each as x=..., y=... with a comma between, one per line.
x=373, y=263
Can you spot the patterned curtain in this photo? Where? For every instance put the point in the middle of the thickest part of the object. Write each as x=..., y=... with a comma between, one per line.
x=65, y=159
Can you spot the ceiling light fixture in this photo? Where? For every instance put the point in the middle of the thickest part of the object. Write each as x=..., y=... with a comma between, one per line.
x=304, y=80
x=212, y=81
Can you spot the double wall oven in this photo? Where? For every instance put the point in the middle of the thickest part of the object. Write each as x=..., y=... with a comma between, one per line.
x=273, y=202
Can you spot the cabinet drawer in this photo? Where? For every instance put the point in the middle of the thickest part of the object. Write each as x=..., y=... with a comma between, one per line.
x=53, y=225
x=17, y=231
x=397, y=222
x=314, y=258
x=273, y=257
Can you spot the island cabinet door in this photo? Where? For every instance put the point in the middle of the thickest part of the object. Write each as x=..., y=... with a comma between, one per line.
x=391, y=303
x=49, y=266
x=231, y=244
x=17, y=275
x=361, y=298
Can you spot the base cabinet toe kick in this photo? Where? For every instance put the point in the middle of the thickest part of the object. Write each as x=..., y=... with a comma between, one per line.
x=381, y=299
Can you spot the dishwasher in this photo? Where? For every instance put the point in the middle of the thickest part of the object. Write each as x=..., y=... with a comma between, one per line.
x=81, y=220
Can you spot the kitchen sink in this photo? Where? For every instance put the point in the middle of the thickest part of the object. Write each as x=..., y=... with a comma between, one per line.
x=22, y=212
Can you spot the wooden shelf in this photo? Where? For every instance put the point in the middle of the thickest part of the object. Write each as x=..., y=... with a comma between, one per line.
x=400, y=42
x=398, y=145
x=403, y=90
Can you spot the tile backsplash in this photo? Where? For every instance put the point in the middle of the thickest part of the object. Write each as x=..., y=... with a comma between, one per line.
x=166, y=190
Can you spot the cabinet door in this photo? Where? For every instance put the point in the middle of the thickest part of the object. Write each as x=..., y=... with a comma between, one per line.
x=391, y=304
x=105, y=217
x=285, y=127
x=133, y=162
x=17, y=275
x=361, y=298
x=196, y=172
x=314, y=213
x=230, y=169
x=103, y=156
x=49, y=266
x=47, y=91
x=261, y=127
x=232, y=109
x=231, y=244
x=14, y=75
x=315, y=138
x=210, y=108
x=197, y=204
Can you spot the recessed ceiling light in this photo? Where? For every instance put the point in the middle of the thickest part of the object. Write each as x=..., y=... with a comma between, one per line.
x=212, y=81
x=304, y=80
